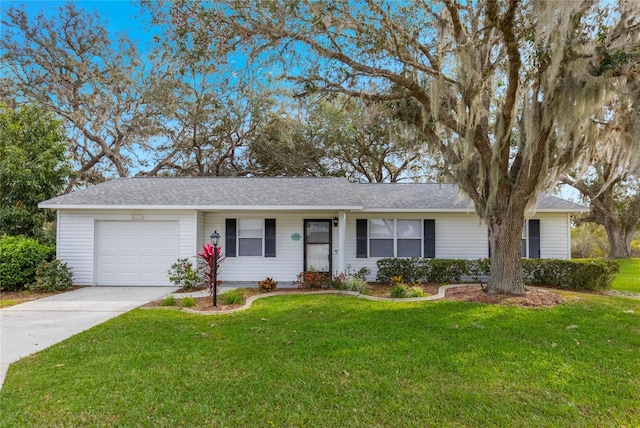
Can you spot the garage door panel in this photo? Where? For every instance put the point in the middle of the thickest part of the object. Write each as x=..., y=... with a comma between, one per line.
x=135, y=253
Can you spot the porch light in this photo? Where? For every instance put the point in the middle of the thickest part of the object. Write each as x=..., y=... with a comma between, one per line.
x=215, y=238
x=335, y=221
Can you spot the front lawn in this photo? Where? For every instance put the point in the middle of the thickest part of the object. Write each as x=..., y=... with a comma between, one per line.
x=339, y=361
x=628, y=279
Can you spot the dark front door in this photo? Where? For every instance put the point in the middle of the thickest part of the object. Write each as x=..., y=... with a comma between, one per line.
x=317, y=245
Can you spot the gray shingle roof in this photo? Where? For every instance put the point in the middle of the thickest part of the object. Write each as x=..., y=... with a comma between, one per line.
x=280, y=192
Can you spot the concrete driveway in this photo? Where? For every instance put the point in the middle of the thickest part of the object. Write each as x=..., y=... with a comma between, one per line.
x=30, y=327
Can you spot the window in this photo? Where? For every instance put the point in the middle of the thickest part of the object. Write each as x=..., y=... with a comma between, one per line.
x=388, y=238
x=381, y=237
x=409, y=238
x=250, y=233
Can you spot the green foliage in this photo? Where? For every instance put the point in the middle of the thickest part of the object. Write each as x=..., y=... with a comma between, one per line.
x=635, y=248
x=427, y=270
x=589, y=240
x=362, y=273
x=182, y=274
x=312, y=279
x=409, y=269
x=33, y=167
x=354, y=283
x=234, y=297
x=19, y=260
x=54, y=275
x=402, y=291
x=168, y=301
x=571, y=274
x=188, y=302
x=398, y=291
x=443, y=270
x=268, y=284
x=478, y=270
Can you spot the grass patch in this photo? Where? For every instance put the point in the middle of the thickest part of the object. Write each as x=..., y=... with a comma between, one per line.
x=334, y=361
x=628, y=279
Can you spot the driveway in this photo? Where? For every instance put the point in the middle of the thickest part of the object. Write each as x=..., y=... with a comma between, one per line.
x=30, y=327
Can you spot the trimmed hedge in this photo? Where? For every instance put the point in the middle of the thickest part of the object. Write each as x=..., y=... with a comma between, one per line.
x=19, y=259
x=567, y=274
x=570, y=274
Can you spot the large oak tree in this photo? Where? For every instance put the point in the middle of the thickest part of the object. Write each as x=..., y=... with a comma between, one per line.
x=506, y=88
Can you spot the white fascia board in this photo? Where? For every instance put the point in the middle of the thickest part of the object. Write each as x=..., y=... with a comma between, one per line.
x=201, y=207
x=563, y=210
x=461, y=210
x=417, y=210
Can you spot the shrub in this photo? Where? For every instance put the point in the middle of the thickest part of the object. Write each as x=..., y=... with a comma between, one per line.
x=635, y=248
x=478, y=270
x=183, y=275
x=570, y=274
x=168, y=301
x=362, y=273
x=356, y=284
x=54, y=275
x=337, y=282
x=19, y=260
x=415, y=269
x=398, y=291
x=267, y=284
x=234, y=297
x=188, y=302
x=409, y=269
x=402, y=291
x=415, y=291
x=443, y=270
x=312, y=279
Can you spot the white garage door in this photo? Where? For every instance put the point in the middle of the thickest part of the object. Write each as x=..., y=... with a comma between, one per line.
x=135, y=252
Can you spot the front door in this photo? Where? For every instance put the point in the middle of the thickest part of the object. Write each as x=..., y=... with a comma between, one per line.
x=317, y=245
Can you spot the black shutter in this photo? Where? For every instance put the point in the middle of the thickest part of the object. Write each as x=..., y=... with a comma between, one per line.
x=534, y=239
x=230, y=237
x=269, y=237
x=361, y=239
x=429, y=239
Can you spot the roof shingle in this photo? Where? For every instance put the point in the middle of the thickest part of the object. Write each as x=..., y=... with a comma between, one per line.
x=284, y=192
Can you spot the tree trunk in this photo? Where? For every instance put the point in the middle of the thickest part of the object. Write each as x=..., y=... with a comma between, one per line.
x=505, y=237
x=619, y=242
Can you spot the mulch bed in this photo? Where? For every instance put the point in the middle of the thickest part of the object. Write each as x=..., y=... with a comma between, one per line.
x=534, y=297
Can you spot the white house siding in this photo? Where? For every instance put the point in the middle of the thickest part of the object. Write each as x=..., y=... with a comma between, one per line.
x=458, y=236
x=76, y=236
x=201, y=239
x=555, y=235
x=289, y=260
x=75, y=244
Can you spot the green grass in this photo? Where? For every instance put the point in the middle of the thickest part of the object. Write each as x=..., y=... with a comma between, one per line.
x=628, y=279
x=332, y=361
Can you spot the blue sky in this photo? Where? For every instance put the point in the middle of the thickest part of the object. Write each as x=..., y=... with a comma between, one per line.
x=118, y=15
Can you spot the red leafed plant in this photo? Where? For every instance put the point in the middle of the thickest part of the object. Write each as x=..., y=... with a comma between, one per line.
x=207, y=255
x=313, y=279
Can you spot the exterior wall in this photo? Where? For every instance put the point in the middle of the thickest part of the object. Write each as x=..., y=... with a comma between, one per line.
x=555, y=235
x=76, y=236
x=289, y=260
x=458, y=236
